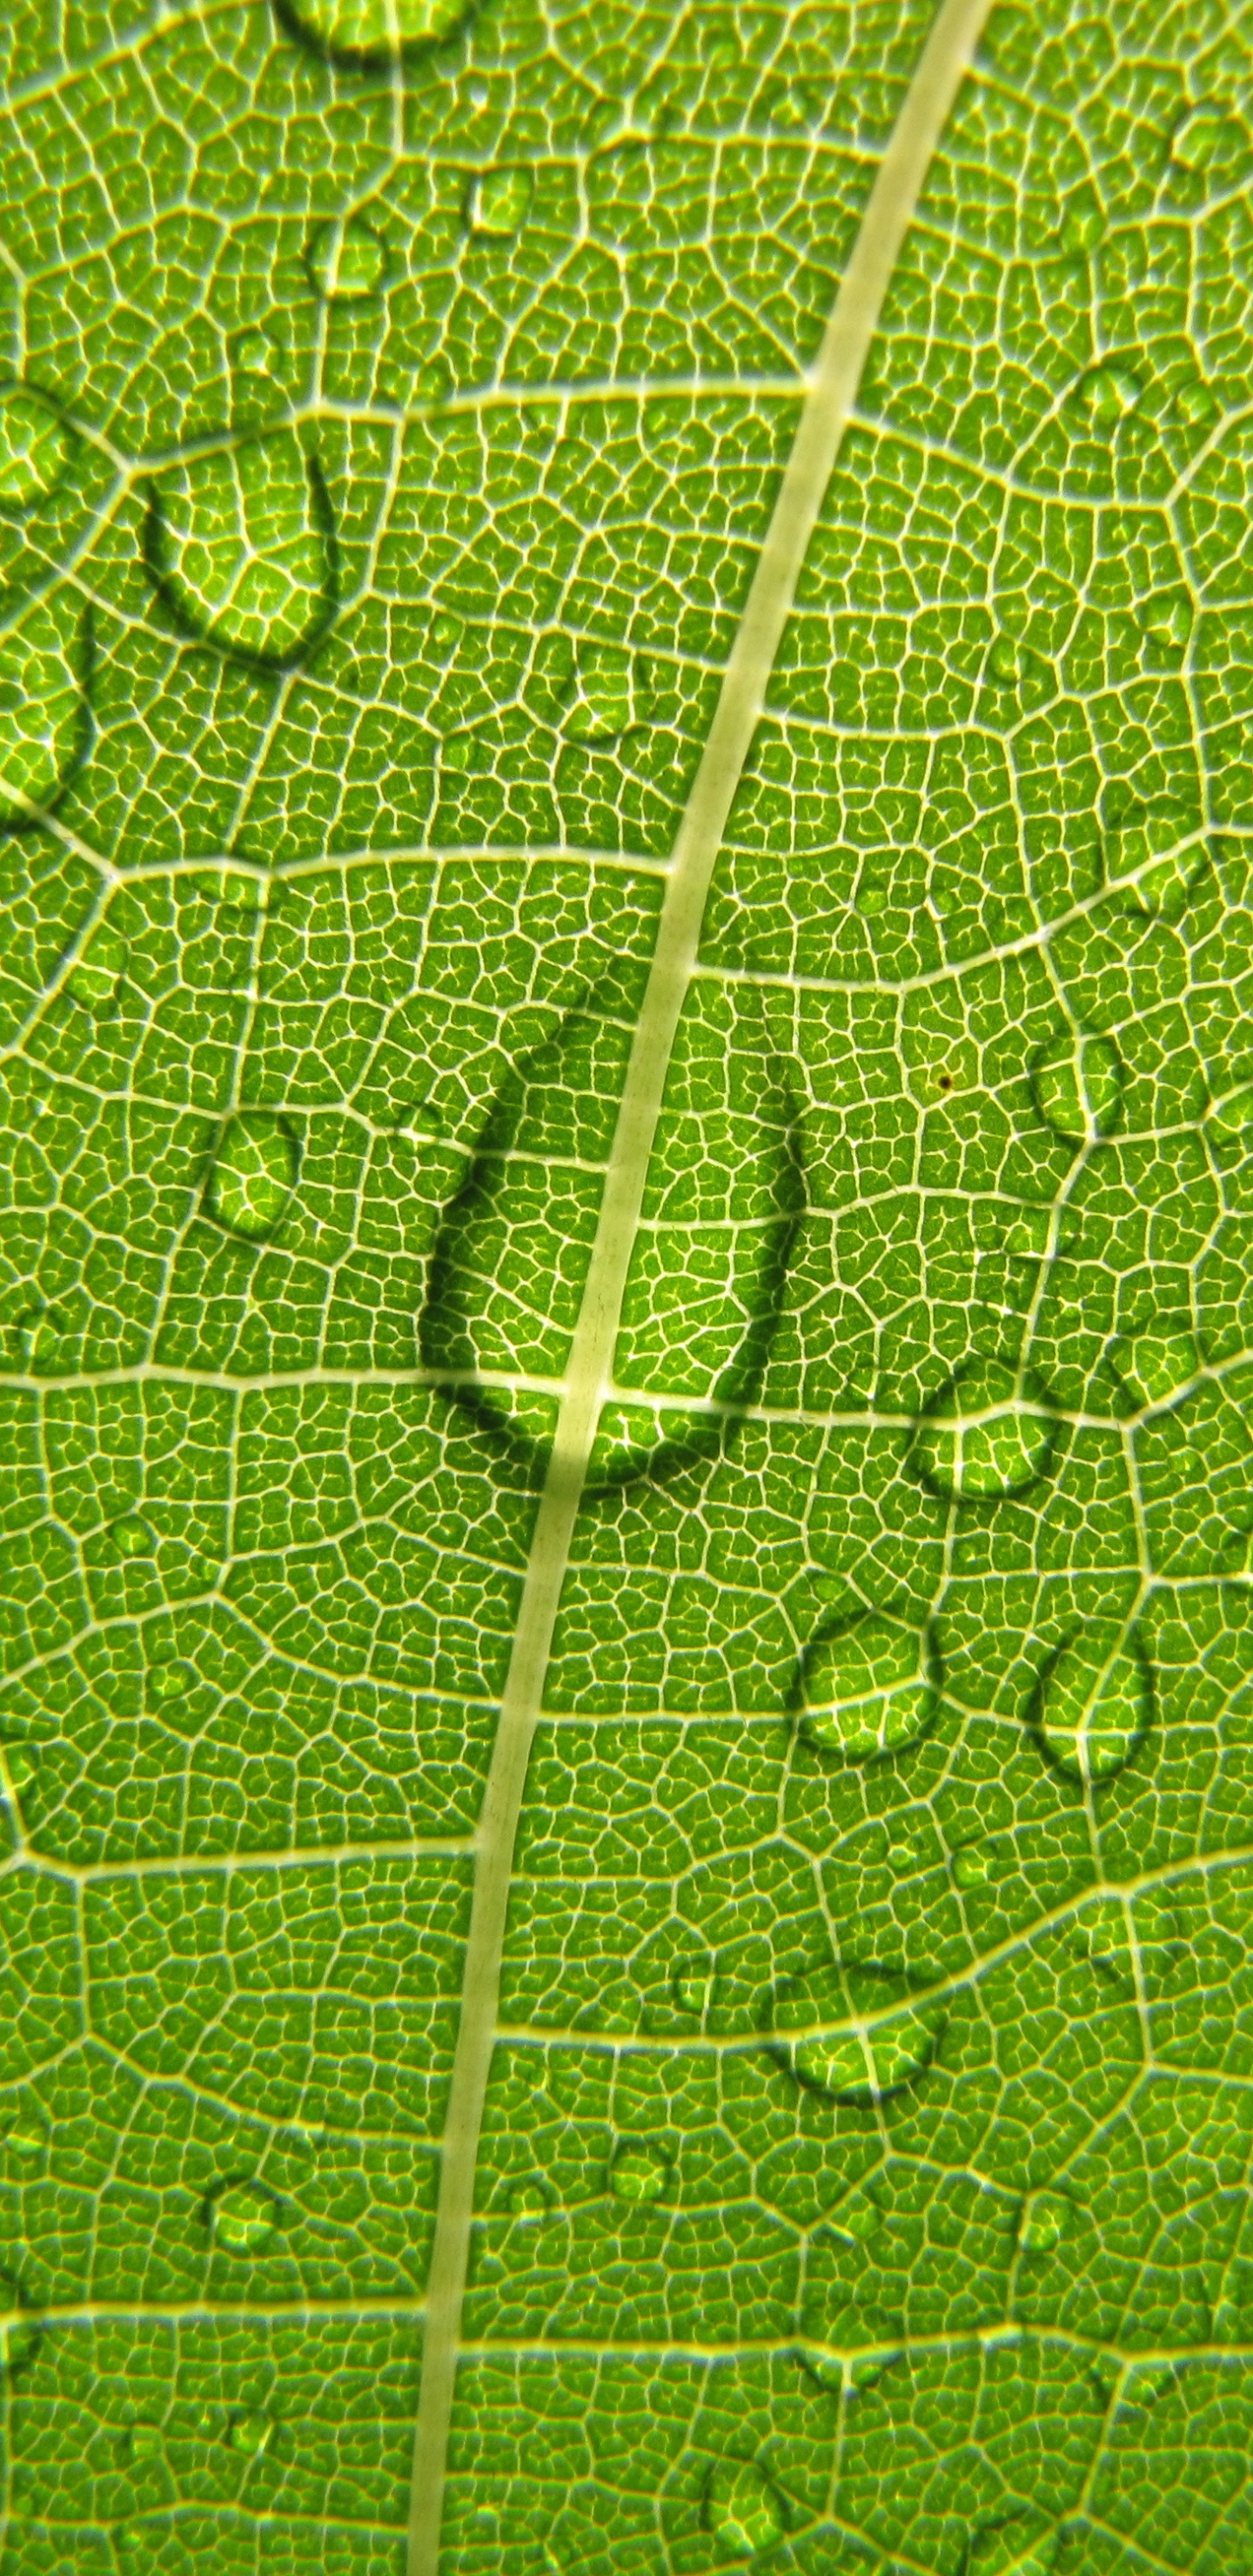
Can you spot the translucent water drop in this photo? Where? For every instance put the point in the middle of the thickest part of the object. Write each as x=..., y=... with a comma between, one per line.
x=253, y=1174
x=1046, y=2217
x=35, y=449
x=131, y=1536
x=168, y=1682
x=870, y=1688
x=1077, y=1085
x=1166, y=621
x=1231, y=1117
x=639, y=2173
x=499, y=201
x=362, y=34
x=1106, y=394
x=987, y=1435
x=244, y=2218
x=241, y=545
x=887, y=2040
x=695, y=1987
x=346, y=261
x=743, y=2509
x=250, y=2433
x=45, y=679
x=1156, y=1367
x=604, y=700
x=144, y=2442
x=1093, y=1710
x=19, y=2329
x=973, y=1867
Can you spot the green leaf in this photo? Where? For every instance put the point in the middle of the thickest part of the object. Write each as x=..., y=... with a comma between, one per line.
x=626, y=1734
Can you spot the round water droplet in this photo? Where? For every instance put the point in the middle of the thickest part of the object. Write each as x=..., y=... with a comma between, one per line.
x=35, y=449
x=639, y=2172
x=885, y=2041
x=498, y=202
x=743, y=2509
x=605, y=698
x=1046, y=2217
x=250, y=2433
x=241, y=545
x=244, y=2218
x=871, y=1688
x=131, y=1536
x=346, y=261
x=973, y=1866
x=45, y=677
x=168, y=1682
x=1093, y=1709
x=362, y=34
x=1230, y=1118
x=253, y=1175
x=987, y=1435
x=1105, y=395
x=1077, y=1085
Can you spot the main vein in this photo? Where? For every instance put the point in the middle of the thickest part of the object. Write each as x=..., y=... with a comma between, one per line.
x=824, y=414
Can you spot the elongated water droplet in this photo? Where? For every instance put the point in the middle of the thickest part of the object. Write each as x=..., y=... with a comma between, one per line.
x=870, y=1688
x=253, y=1174
x=250, y=2433
x=1105, y=395
x=743, y=2509
x=498, y=202
x=35, y=449
x=885, y=2039
x=1155, y=1368
x=244, y=2218
x=1077, y=1084
x=362, y=34
x=241, y=545
x=130, y=1535
x=346, y=261
x=45, y=682
x=1046, y=2218
x=606, y=695
x=639, y=2173
x=987, y=1435
x=1094, y=1707
x=1230, y=1118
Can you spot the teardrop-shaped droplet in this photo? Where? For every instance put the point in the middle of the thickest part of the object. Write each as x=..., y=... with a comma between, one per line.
x=45, y=681
x=870, y=1688
x=743, y=2509
x=346, y=261
x=1077, y=1084
x=988, y=1434
x=1157, y=1368
x=853, y=2033
x=130, y=1535
x=250, y=2433
x=253, y=1174
x=640, y=2172
x=1105, y=395
x=1046, y=2219
x=1231, y=1118
x=35, y=449
x=241, y=545
x=498, y=202
x=364, y=34
x=605, y=696
x=169, y=1682
x=1094, y=1707
x=244, y=2218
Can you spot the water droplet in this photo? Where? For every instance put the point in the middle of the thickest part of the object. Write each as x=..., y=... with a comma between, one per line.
x=364, y=34
x=1231, y=1117
x=1106, y=394
x=887, y=2039
x=253, y=1174
x=1166, y=621
x=870, y=1688
x=346, y=261
x=973, y=1866
x=23, y=1766
x=498, y=202
x=605, y=697
x=35, y=449
x=1077, y=1085
x=639, y=2172
x=45, y=678
x=241, y=545
x=131, y=1536
x=695, y=1987
x=1211, y=140
x=743, y=2509
x=1155, y=1368
x=1092, y=1709
x=24, y=2142
x=168, y=1682
x=1147, y=2381
x=19, y=2329
x=244, y=2218
x=144, y=2442
x=1046, y=2217
x=988, y=1434
x=250, y=2433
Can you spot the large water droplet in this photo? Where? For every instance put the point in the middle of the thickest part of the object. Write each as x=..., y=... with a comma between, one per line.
x=498, y=202
x=886, y=2039
x=253, y=1174
x=346, y=261
x=241, y=545
x=363, y=34
x=870, y=1688
x=1093, y=1707
x=639, y=2173
x=1046, y=2219
x=1077, y=1084
x=987, y=1435
x=35, y=449
x=45, y=680
x=605, y=697
x=244, y=2218
x=1105, y=395
x=1156, y=1368
x=743, y=2509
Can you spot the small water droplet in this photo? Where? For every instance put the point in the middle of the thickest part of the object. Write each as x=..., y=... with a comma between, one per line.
x=606, y=696
x=366, y=34
x=1046, y=2218
x=639, y=2173
x=530, y=2199
x=1155, y=1368
x=1166, y=621
x=250, y=2433
x=144, y=2442
x=253, y=1174
x=1077, y=1085
x=244, y=2218
x=870, y=1688
x=498, y=202
x=1147, y=2381
x=241, y=546
x=346, y=261
x=35, y=449
x=695, y=1988
x=1093, y=1709
x=1104, y=396
x=168, y=1682
x=973, y=1866
x=45, y=676
x=131, y=1536
x=987, y=1435
x=743, y=2509
x=1231, y=1117
x=19, y=2329
x=1083, y=222
x=887, y=2039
